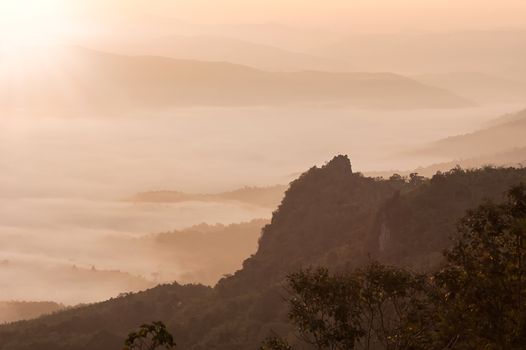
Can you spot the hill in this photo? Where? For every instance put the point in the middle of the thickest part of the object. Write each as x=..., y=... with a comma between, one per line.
x=493, y=52
x=75, y=79
x=11, y=311
x=194, y=254
x=70, y=283
x=261, y=196
x=329, y=216
x=506, y=134
x=512, y=158
x=222, y=49
x=479, y=87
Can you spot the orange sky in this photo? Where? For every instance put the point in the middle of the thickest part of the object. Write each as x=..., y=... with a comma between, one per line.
x=364, y=15
x=24, y=18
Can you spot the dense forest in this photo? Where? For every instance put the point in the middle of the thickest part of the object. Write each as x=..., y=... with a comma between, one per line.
x=330, y=218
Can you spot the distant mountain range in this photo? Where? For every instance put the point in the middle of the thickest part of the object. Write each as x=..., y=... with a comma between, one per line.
x=480, y=87
x=75, y=79
x=199, y=254
x=261, y=196
x=222, y=49
x=504, y=135
x=500, y=144
x=70, y=283
x=512, y=158
x=499, y=52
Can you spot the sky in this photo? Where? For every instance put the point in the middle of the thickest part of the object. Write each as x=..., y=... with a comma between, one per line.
x=40, y=20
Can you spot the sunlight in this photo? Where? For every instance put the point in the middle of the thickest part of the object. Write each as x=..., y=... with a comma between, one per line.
x=32, y=22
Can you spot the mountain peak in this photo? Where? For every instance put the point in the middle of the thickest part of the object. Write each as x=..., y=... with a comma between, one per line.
x=339, y=163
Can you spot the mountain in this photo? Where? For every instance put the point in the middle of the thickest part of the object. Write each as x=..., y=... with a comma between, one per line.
x=70, y=283
x=329, y=216
x=79, y=80
x=222, y=49
x=479, y=87
x=261, y=196
x=497, y=52
x=512, y=158
x=194, y=254
x=504, y=135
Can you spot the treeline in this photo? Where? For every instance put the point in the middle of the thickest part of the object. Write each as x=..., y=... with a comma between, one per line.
x=475, y=300
x=331, y=217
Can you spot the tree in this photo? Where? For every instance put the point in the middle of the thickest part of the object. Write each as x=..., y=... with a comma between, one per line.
x=476, y=301
x=325, y=308
x=275, y=343
x=393, y=308
x=150, y=337
x=482, y=289
x=377, y=307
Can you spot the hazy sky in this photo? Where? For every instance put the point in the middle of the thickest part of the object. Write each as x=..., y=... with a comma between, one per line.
x=366, y=15
x=27, y=19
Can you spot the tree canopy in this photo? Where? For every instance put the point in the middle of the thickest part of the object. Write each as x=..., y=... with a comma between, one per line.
x=476, y=300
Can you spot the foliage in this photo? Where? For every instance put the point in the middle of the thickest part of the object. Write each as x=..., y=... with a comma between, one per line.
x=393, y=307
x=330, y=217
x=483, y=283
x=275, y=343
x=374, y=307
x=150, y=337
x=476, y=301
x=325, y=309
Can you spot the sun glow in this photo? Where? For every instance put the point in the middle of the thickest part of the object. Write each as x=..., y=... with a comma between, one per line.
x=29, y=22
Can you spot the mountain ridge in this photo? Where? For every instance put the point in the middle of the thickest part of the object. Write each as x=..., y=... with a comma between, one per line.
x=104, y=81
x=330, y=216
x=506, y=134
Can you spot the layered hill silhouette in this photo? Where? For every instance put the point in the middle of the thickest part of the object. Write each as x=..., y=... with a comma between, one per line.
x=505, y=135
x=11, y=311
x=71, y=283
x=480, y=87
x=223, y=49
x=515, y=157
x=201, y=253
x=499, y=52
x=76, y=79
x=329, y=216
x=261, y=196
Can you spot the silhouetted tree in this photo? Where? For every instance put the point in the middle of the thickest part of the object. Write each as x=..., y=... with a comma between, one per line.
x=371, y=308
x=393, y=308
x=150, y=337
x=275, y=343
x=325, y=308
x=482, y=286
x=476, y=301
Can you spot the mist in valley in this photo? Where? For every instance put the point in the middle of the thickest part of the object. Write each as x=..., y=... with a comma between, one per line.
x=69, y=229
x=146, y=149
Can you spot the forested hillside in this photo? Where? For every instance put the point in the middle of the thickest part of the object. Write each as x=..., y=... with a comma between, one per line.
x=330, y=216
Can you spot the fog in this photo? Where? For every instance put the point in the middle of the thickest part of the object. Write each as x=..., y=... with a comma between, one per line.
x=197, y=150
x=67, y=233
x=102, y=100
x=42, y=239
